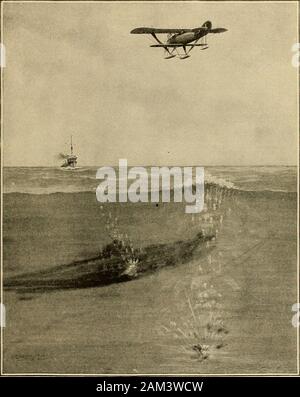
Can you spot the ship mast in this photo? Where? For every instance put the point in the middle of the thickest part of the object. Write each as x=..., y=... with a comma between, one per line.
x=70, y=159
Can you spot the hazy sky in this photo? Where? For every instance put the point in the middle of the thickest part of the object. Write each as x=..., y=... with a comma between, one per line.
x=75, y=69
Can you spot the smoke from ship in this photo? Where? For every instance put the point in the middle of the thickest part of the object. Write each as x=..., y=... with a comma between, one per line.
x=62, y=156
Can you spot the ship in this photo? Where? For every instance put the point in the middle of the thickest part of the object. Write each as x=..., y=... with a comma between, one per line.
x=70, y=159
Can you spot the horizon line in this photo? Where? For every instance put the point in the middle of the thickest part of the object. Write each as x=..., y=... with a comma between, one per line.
x=154, y=165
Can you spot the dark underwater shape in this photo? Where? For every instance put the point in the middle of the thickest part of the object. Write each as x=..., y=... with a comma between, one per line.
x=110, y=266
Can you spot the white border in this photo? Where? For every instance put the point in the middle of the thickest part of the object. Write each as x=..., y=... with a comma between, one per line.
x=298, y=181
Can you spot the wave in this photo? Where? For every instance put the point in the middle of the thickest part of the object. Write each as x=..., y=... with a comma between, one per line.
x=54, y=181
x=210, y=179
x=71, y=190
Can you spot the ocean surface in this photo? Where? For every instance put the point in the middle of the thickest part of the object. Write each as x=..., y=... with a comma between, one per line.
x=42, y=180
x=220, y=304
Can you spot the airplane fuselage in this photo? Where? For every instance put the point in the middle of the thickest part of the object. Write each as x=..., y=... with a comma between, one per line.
x=186, y=37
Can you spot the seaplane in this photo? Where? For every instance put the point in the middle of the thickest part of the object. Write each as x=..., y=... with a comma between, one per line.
x=177, y=38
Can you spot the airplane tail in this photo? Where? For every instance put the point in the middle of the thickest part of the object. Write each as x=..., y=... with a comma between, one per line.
x=207, y=25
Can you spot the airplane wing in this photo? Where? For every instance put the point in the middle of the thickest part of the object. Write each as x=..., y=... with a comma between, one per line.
x=145, y=30
x=177, y=45
x=218, y=30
